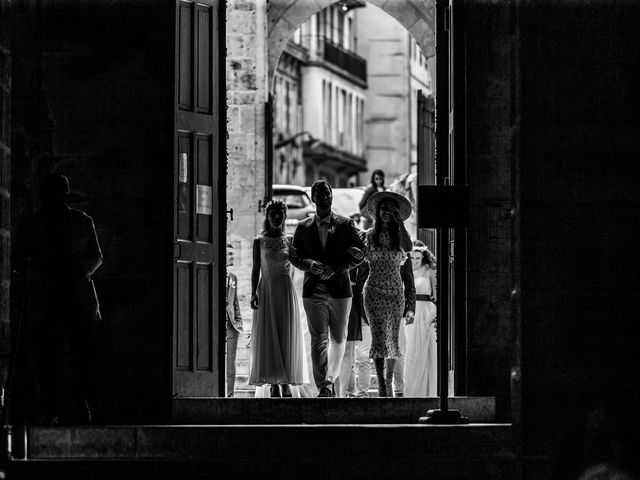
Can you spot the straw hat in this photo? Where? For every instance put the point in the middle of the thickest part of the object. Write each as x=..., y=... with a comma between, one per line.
x=376, y=198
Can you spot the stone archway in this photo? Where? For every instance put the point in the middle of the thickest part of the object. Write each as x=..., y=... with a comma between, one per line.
x=257, y=32
x=285, y=16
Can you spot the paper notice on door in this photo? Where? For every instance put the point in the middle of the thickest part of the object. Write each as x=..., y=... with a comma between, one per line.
x=204, y=197
x=183, y=170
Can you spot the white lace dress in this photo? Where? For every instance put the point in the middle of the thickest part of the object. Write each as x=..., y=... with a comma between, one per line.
x=276, y=339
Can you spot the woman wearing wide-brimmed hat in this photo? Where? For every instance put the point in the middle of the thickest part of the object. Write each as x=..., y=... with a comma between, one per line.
x=388, y=289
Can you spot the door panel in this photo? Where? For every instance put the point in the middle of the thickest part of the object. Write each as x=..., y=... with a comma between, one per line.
x=204, y=66
x=184, y=210
x=197, y=174
x=206, y=186
x=185, y=52
x=183, y=340
x=426, y=156
x=205, y=347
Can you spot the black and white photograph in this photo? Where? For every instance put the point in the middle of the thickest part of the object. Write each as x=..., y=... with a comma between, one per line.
x=300, y=239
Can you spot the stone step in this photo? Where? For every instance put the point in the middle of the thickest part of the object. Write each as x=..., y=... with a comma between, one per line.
x=244, y=409
x=286, y=451
x=248, y=451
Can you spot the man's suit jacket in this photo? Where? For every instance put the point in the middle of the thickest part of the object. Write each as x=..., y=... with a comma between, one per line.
x=233, y=306
x=342, y=252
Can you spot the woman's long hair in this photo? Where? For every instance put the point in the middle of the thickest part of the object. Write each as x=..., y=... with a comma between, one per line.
x=393, y=228
x=267, y=231
x=380, y=173
x=428, y=258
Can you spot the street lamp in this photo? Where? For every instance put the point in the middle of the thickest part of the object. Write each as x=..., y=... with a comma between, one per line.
x=347, y=5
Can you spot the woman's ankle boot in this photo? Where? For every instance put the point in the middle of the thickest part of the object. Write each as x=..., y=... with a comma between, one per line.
x=275, y=391
x=286, y=390
x=382, y=389
x=390, y=384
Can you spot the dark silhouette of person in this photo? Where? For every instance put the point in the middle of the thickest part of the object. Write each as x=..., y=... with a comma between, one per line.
x=56, y=252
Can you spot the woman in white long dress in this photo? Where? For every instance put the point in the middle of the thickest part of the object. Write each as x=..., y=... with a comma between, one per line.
x=421, y=352
x=276, y=341
x=308, y=388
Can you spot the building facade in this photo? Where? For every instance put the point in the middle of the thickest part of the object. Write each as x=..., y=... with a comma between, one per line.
x=319, y=101
x=397, y=71
x=288, y=131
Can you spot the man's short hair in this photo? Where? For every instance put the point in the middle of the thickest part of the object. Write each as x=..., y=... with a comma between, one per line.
x=317, y=184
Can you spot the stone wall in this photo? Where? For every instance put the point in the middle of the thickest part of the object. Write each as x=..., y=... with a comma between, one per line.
x=246, y=98
x=5, y=187
x=491, y=161
x=580, y=111
x=385, y=44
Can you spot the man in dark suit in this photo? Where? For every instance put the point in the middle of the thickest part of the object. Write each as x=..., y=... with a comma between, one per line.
x=325, y=247
x=234, y=323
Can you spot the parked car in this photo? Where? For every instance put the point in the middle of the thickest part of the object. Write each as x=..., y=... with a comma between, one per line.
x=346, y=201
x=299, y=206
x=298, y=203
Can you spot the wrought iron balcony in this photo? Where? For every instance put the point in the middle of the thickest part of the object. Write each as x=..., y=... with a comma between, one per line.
x=346, y=60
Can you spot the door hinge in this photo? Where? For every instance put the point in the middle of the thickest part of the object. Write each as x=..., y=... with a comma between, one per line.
x=230, y=213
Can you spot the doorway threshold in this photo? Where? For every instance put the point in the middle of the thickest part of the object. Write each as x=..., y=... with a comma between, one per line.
x=317, y=411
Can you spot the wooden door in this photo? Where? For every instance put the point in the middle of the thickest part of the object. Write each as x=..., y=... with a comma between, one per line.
x=426, y=157
x=445, y=171
x=199, y=199
x=458, y=174
x=456, y=263
x=451, y=234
